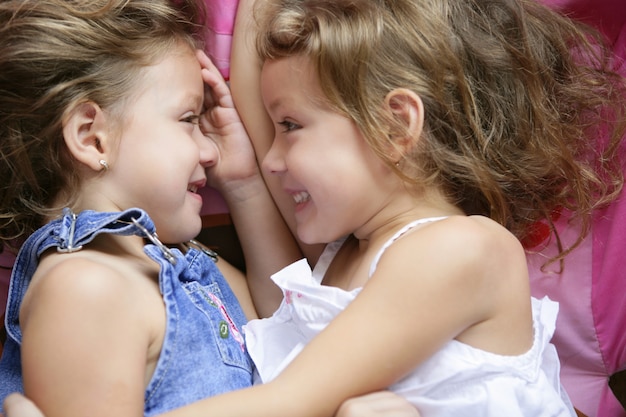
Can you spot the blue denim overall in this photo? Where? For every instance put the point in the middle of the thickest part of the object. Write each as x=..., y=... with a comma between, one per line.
x=203, y=352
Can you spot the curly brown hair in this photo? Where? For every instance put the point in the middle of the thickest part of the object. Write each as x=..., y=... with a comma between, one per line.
x=55, y=55
x=517, y=97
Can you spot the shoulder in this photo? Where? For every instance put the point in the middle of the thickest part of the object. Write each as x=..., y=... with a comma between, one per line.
x=78, y=282
x=88, y=328
x=77, y=273
x=469, y=269
x=470, y=249
x=463, y=236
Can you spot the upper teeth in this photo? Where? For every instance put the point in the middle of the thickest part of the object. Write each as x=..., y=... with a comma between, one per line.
x=301, y=197
x=192, y=188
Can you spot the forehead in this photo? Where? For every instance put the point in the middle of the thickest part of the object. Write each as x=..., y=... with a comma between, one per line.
x=175, y=77
x=288, y=79
x=293, y=68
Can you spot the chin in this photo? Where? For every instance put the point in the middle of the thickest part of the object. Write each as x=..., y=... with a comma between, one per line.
x=180, y=235
x=309, y=238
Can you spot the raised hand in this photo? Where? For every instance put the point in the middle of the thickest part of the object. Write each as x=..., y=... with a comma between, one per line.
x=221, y=123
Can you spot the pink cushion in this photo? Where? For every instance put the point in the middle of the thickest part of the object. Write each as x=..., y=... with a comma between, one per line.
x=590, y=335
x=220, y=22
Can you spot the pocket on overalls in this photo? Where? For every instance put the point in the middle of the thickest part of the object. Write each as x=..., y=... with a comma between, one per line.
x=226, y=331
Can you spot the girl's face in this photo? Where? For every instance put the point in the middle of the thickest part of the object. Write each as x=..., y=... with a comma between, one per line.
x=337, y=183
x=159, y=163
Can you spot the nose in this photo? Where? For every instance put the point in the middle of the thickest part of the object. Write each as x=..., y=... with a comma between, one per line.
x=274, y=161
x=208, y=150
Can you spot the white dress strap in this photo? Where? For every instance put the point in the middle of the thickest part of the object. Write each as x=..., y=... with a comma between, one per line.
x=397, y=235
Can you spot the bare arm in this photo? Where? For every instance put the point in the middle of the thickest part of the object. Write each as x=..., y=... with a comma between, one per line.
x=379, y=404
x=266, y=241
x=245, y=76
x=87, y=332
x=345, y=360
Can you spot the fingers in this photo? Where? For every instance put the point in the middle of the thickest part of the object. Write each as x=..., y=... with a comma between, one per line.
x=205, y=61
x=16, y=405
x=218, y=92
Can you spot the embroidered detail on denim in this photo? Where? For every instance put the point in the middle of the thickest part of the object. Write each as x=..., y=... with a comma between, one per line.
x=230, y=323
x=224, y=329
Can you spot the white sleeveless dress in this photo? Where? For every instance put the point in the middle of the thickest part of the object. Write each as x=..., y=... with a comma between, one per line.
x=458, y=380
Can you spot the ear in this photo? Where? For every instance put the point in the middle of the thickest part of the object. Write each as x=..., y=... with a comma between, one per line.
x=86, y=135
x=407, y=111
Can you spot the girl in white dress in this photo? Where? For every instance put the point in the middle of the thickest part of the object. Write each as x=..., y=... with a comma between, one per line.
x=422, y=141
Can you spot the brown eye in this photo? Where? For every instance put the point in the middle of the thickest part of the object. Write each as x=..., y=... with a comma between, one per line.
x=288, y=126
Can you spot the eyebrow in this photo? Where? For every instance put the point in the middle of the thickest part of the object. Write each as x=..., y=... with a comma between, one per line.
x=272, y=106
x=275, y=104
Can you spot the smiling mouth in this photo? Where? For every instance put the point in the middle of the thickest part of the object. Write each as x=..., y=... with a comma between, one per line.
x=301, y=197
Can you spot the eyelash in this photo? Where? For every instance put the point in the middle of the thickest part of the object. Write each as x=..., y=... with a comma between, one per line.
x=288, y=126
x=193, y=119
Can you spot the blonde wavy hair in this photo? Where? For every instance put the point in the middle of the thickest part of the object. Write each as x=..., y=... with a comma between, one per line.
x=54, y=55
x=516, y=97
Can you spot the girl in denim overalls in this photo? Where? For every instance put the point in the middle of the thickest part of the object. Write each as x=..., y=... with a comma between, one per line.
x=100, y=146
x=106, y=136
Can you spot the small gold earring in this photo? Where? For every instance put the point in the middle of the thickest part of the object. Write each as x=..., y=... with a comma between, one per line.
x=105, y=165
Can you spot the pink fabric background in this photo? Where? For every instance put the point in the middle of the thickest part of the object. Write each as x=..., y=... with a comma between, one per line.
x=591, y=329
x=220, y=24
